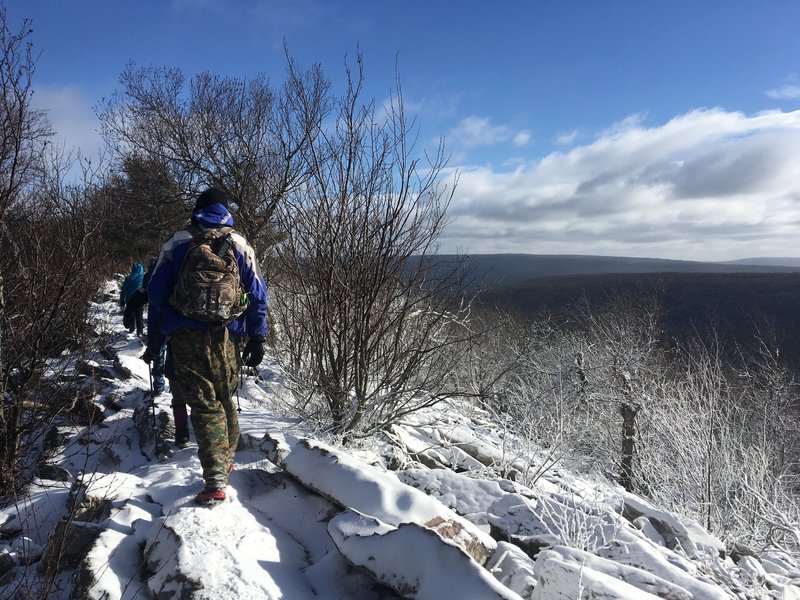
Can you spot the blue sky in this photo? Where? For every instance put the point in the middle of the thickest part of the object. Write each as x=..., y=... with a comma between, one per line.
x=639, y=128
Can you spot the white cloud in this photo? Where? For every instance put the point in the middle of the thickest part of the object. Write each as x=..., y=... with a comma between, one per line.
x=787, y=91
x=72, y=118
x=437, y=105
x=473, y=132
x=567, y=138
x=706, y=185
x=522, y=138
x=790, y=90
x=477, y=131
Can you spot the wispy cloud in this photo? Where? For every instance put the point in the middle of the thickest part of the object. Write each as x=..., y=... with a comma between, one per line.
x=443, y=105
x=74, y=123
x=473, y=132
x=709, y=184
x=522, y=138
x=788, y=91
x=274, y=19
x=566, y=138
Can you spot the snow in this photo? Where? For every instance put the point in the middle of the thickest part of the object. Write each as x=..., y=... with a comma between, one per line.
x=306, y=518
x=437, y=570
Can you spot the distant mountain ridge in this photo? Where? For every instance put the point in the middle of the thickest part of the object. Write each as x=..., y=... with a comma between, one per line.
x=777, y=261
x=509, y=269
x=733, y=299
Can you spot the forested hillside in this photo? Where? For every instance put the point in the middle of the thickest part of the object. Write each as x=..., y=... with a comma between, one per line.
x=736, y=309
x=508, y=270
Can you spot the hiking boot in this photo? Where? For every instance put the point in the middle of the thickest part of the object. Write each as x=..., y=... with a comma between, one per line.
x=210, y=497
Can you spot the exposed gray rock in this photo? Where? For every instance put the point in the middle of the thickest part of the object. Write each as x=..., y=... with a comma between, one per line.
x=153, y=430
x=68, y=544
x=513, y=568
x=52, y=472
x=564, y=580
x=7, y=561
x=682, y=535
x=108, y=561
x=638, y=578
x=87, y=412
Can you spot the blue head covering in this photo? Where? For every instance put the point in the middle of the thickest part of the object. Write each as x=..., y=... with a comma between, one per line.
x=133, y=281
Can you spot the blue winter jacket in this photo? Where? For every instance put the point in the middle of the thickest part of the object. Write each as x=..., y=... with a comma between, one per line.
x=132, y=283
x=162, y=317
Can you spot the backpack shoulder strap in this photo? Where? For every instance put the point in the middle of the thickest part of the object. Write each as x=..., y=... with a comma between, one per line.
x=197, y=231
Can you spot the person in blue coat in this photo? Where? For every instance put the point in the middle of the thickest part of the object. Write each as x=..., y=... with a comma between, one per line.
x=133, y=315
x=162, y=367
x=205, y=356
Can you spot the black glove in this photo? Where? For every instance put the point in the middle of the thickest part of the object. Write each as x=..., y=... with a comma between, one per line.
x=253, y=352
x=153, y=349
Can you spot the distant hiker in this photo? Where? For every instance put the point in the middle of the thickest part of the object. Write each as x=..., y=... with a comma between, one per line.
x=141, y=297
x=162, y=367
x=133, y=315
x=206, y=296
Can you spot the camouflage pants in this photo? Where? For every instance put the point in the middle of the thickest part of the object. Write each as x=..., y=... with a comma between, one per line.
x=205, y=365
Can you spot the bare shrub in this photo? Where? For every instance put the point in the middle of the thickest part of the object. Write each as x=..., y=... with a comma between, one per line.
x=370, y=319
x=718, y=444
x=53, y=256
x=581, y=383
x=241, y=135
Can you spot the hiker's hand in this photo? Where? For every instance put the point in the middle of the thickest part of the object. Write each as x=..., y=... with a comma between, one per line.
x=153, y=348
x=253, y=352
x=150, y=354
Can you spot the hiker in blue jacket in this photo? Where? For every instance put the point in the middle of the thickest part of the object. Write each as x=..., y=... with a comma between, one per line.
x=133, y=315
x=205, y=355
x=162, y=368
x=140, y=297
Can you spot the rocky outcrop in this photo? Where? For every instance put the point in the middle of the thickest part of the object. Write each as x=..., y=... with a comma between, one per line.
x=360, y=539
x=154, y=426
x=374, y=492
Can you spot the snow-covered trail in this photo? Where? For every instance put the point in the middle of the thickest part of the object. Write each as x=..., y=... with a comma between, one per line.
x=269, y=539
x=236, y=549
x=257, y=544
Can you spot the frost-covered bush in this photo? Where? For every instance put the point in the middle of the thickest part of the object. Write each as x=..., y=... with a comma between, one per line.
x=684, y=425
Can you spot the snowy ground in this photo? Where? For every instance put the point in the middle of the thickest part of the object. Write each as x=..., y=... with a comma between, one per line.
x=305, y=519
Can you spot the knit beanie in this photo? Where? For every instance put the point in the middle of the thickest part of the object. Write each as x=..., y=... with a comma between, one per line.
x=211, y=196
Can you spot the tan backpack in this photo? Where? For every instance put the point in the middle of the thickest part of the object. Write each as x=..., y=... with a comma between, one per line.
x=209, y=287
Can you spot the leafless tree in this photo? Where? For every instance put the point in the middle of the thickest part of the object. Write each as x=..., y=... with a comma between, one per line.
x=24, y=133
x=370, y=319
x=25, y=129
x=53, y=253
x=487, y=368
x=583, y=381
x=626, y=364
x=241, y=135
x=51, y=259
x=717, y=445
x=547, y=395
